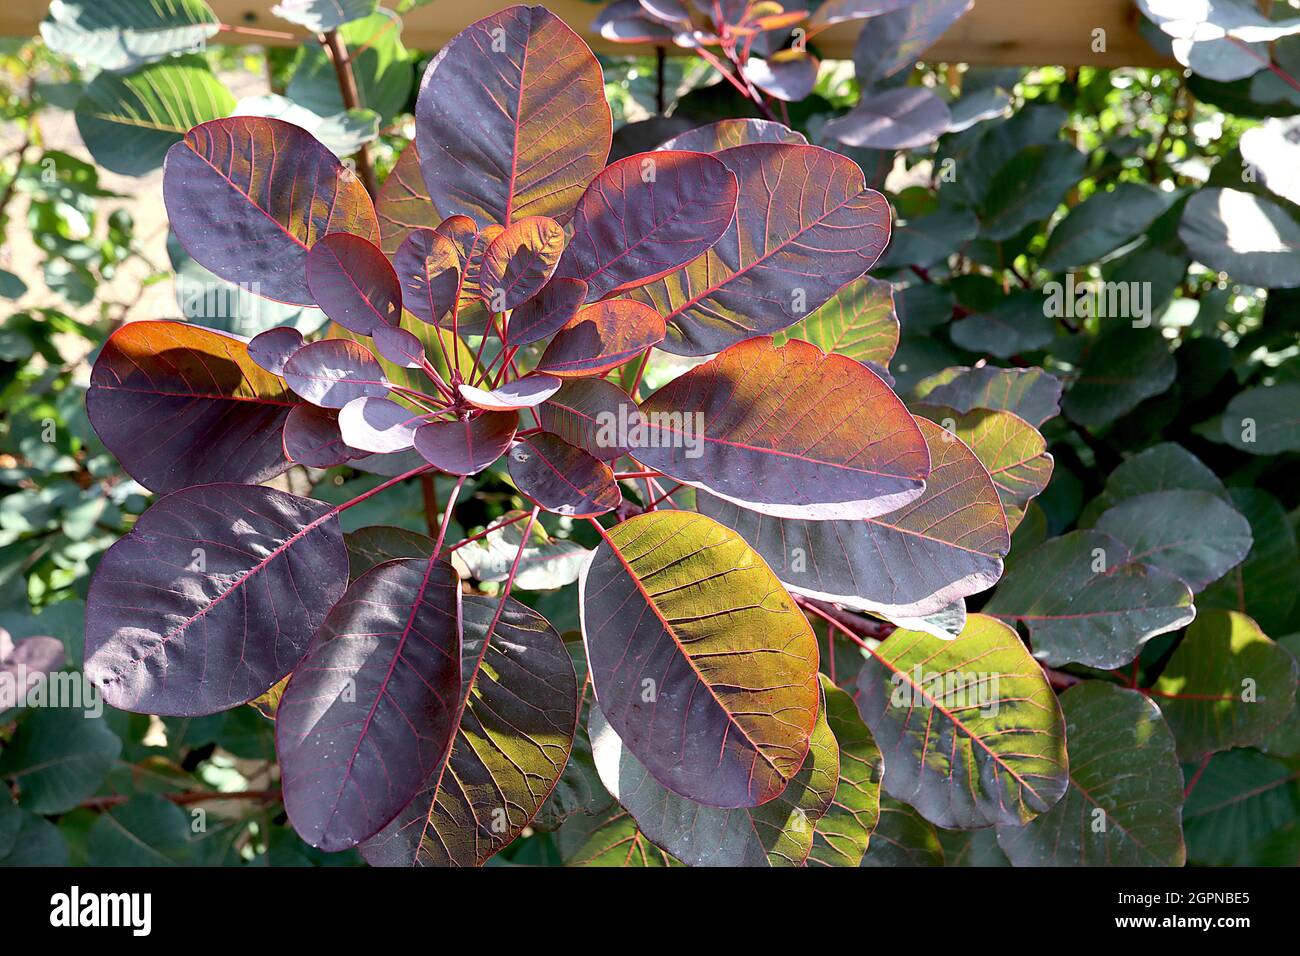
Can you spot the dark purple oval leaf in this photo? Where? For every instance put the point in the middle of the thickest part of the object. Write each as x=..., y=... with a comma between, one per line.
x=248, y=196
x=222, y=414
x=351, y=280
x=511, y=119
x=428, y=267
x=547, y=312
x=601, y=337
x=519, y=262
x=563, y=479
x=593, y=414
x=788, y=75
x=806, y=224
x=789, y=431
x=370, y=712
x=461, y=447
x=646, y=216
x=312, y=438
x=514, y=739
x=399, y=346
x=333, y=372
x=272, y=348
x=211, y=598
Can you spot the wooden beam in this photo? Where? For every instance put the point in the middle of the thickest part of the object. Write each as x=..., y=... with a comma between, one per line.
x=995, y=32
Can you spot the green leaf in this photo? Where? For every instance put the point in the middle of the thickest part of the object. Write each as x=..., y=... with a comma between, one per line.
x=58, y=758
x=376, y=544
x=36, y=841
x=778, y=833
x=610, y=839
x=321, y=16
x=123, y=34
x=970, y=729
x=1248, y=236
x=1237, y=802
x=129, y=122
x=144, y=831
x=1267, y=583
x=842, y=834
x=903, y=838
x=858, y=321
x=383, y=68
x=1193, y=535
x=1123, y=367
x=1161, y=467
x=1012, y=450
x=1102, y=223
x=1029, y=188
x=1017, y=323
x=972, y=848
x=1284, y=740
x=1031, y=393
x=1084, y=599
x=1121, y=807
x=1264, y=421
x=1227, y=685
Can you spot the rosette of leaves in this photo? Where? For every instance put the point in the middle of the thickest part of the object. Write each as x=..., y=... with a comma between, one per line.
x=494, y=310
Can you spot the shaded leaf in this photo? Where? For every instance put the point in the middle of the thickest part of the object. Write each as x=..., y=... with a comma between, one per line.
x=610, y=839
x=58, y=758
x=427, y=264
x=547, y=312
x=1031, y=393
x=312, y=437
x=222, y=414
x=216, y=579
x=1122, y=806
x=562, y=478
x=465, y=447
x=351, y=280
x=369, y=713
x=902, y=838
x=903, y=118
x=1084, y=599
x=1227, y=685
x=1123, y=367
x=841, y=835
x=582, y=411
x=1263, y=420
x=1240, y=799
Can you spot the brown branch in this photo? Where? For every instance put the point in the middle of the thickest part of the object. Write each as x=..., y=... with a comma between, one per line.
x=351, y=100
x=184, y=799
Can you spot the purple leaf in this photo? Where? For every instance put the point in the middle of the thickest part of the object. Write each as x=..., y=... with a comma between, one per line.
x=727, y=133
x=179, y=404
x=466, y=447
x=601, y=337
x=519, y=262
x=646, y=216
x=23, y=664
x=805, y=225
x=527, y=392
x=248, y=196
x=272, y=348
x=511, y=119
x=370, y=713
x=789, y=431
x=593, y=414
x=378, y=425
x=514, y=739
x=211, y=598
x=333, y=372
x=312, y=438
x=788, y=75
x=399, y=346
x=563, y=479
x=897, y=119
x=428, y=267
x=547, y=312
x=353, y=283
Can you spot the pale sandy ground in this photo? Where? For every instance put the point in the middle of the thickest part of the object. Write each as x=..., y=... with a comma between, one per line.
x=142, y=197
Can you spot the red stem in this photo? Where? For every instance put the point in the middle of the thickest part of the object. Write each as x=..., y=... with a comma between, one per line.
x=446, y=515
